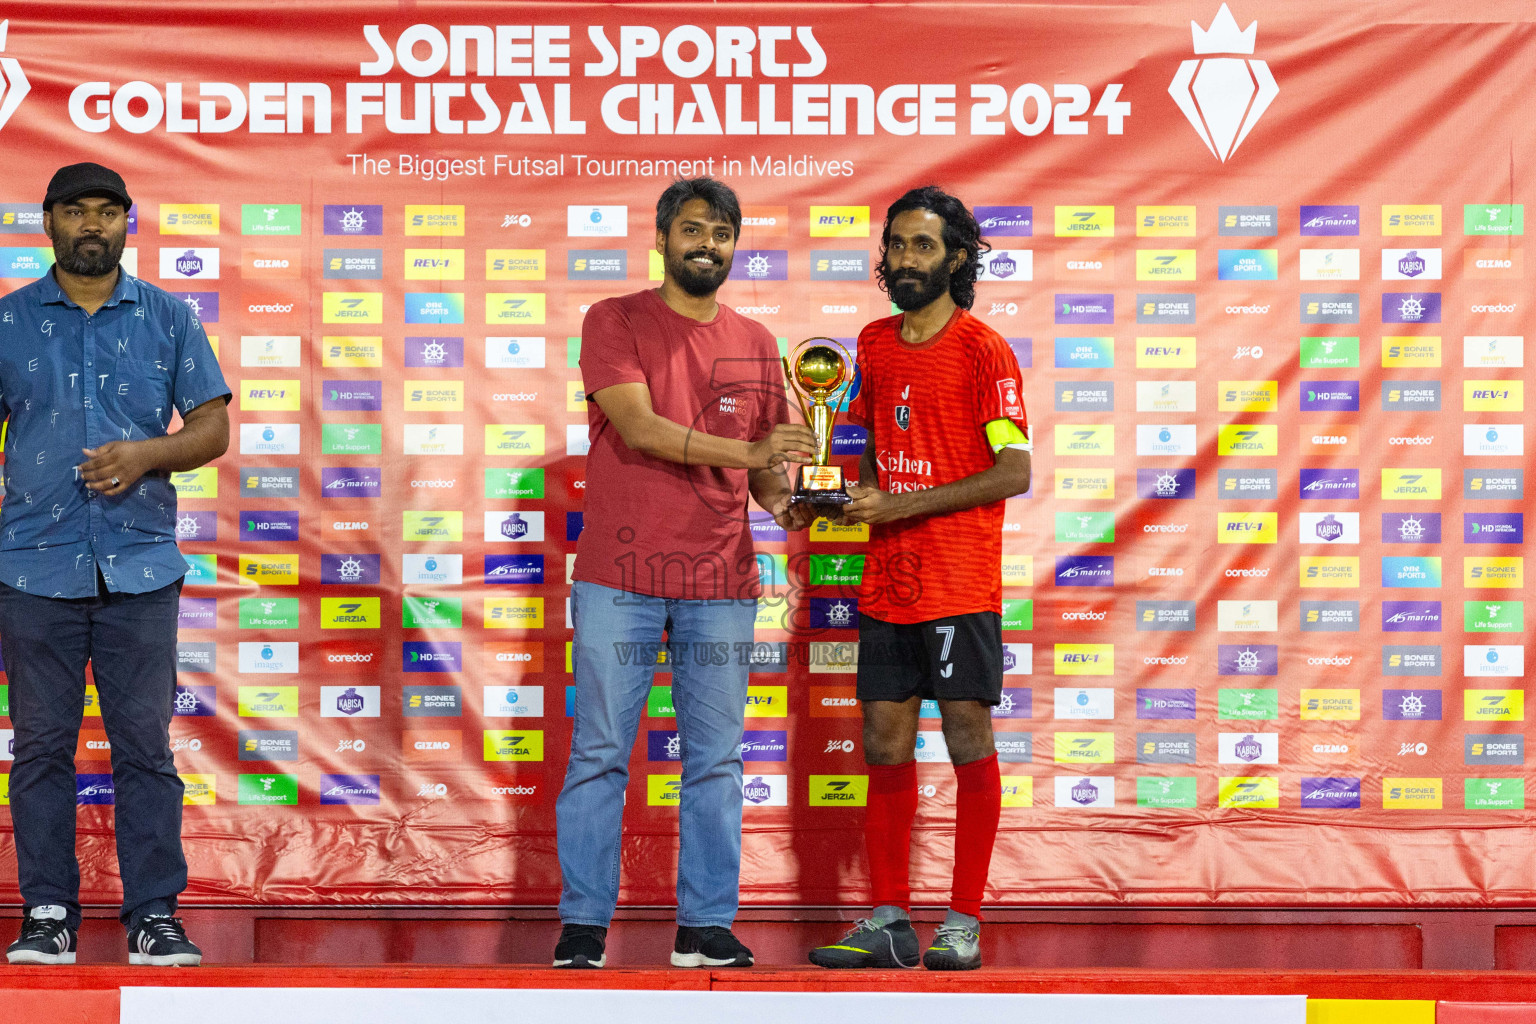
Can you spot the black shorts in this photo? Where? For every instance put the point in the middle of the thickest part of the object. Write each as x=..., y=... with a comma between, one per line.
x=959, y=657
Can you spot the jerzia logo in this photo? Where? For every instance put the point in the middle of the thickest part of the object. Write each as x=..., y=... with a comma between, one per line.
x=13, y=81
x=1223, y=97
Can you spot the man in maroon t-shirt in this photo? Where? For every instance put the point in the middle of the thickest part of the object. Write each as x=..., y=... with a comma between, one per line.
x=687, y=413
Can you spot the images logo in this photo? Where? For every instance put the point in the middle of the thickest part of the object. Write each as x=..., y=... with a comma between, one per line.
x=1223, y=97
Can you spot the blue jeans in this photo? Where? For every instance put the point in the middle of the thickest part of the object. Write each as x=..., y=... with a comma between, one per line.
x=617, y=633
x=131, y=641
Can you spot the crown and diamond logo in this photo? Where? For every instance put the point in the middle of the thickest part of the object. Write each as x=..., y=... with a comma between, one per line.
x=13, y=81
x=1223, y=97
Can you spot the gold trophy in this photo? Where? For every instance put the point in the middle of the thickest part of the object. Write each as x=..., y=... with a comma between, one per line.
x=819, y=375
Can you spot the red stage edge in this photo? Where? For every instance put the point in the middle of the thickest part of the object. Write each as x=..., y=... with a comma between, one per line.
x=90, y=995
x=1042, y=938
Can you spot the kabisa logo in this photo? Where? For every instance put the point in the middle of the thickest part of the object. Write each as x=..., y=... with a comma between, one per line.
x=756, y=791
x=13, y=81
x=1215, y=93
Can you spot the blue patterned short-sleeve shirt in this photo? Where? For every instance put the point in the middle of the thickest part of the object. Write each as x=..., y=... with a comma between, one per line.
x=70, y=381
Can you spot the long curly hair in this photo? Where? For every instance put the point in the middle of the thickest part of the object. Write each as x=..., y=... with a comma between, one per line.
x=960, y=232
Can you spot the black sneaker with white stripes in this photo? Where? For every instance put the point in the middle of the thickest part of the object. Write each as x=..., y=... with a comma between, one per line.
x=160, y=941
x=45, y=938
x=709, y=947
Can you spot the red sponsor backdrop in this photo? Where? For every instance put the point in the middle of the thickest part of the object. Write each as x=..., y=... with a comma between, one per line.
x=1134, y=159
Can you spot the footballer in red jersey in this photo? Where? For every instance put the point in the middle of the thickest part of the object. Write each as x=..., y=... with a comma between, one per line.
x=942, y=399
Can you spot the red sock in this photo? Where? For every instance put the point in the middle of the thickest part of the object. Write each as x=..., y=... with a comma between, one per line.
x=978, y=804
x=888, y=832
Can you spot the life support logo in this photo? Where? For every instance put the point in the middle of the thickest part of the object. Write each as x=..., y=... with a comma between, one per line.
x=13, y=81
x=1223, y=97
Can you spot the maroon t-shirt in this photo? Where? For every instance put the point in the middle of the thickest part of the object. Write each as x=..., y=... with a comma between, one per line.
x=665, y=528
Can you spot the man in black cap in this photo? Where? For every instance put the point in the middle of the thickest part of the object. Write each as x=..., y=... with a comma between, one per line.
x=95, y=365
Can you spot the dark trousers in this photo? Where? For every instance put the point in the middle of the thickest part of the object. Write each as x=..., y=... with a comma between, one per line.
x=131, y=641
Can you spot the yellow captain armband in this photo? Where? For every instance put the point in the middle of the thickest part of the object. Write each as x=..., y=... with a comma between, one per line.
x=1006, y=434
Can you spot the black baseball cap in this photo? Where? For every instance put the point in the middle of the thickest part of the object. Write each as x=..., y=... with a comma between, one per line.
x=86, y=179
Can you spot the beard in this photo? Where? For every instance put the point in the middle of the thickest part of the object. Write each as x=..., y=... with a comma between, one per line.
x=912, y=289
x=95, y=256
x=695, y=280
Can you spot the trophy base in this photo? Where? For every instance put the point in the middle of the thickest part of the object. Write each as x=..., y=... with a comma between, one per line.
x=820, y=485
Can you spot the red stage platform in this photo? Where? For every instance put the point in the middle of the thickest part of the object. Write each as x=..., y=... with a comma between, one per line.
x=1343, y=956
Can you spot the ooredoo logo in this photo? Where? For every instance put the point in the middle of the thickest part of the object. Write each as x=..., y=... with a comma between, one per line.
x=13, y=81
x=1223, y=97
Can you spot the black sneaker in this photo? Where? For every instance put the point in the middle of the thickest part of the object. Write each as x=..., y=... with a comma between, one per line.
x=161, y=941
x=956, y=947
x=871, y=945
x=709, y=947
x=581, y=945
x=45, y=938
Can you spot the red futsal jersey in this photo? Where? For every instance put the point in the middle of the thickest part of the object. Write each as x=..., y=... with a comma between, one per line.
x=664, y=528
x=926, y=408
